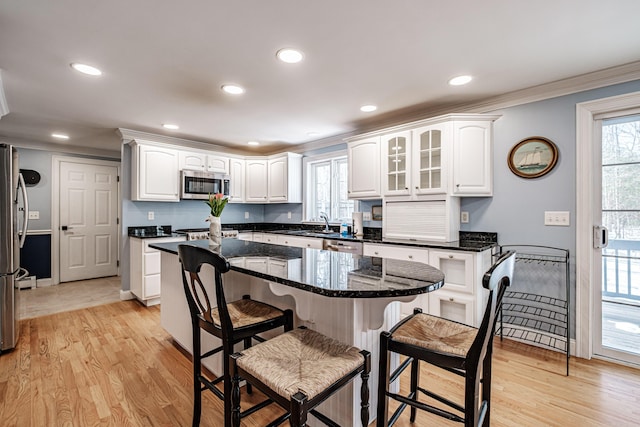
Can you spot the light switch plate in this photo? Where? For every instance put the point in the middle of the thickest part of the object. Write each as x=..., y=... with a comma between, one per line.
x=366, y=216
x=246, y=215
x=556, y=218
x=151, y=216
x=464, y=217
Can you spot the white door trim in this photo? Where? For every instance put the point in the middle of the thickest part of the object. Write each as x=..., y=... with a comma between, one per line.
x=55, y=207
x=585, y=182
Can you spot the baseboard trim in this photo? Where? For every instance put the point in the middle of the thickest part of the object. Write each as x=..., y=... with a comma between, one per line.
x=42, y=283
x=126, y=295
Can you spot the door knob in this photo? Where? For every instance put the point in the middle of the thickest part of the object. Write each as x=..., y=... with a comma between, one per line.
x=65, y=228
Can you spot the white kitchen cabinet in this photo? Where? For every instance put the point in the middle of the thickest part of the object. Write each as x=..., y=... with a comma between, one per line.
x=396, y=163
x=217, y=163
x=255, y=188
x=237, y=176
x=472, y=158
x=462, y=298
x=285, y=178
x=432, y=218
x=155, y=172
x=193, y=160
x=405, y=253
x=300, y=242
x=364, y=168
x=430, y=158
x=453, y=306
x=145, y=268
x=258, y=237
x=245, y=235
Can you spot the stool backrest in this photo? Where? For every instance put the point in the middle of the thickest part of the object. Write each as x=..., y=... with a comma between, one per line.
x=496, y=280
x=192, y=258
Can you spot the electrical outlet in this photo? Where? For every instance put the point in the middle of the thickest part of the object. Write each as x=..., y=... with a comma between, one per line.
x=556, y=218
x=246, y=215
x=464, y=217
x=366, y=216
x=34, y=214
x=288, y=215
x=151, y=215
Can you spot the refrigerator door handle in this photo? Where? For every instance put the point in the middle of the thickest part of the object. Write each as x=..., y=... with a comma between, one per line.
x=25, y=222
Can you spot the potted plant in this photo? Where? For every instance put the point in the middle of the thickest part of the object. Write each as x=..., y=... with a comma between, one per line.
x=216, y=203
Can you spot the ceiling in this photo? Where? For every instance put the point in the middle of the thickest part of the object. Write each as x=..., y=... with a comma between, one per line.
x=165, y=61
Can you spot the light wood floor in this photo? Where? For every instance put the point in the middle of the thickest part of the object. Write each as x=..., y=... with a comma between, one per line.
x=114, y=365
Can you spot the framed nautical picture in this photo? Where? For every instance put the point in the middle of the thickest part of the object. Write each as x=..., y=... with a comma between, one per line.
x=533, y=157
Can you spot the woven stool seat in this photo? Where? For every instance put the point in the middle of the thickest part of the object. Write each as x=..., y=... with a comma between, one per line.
x=437, y=334
x=245, y=312
x=300, y=361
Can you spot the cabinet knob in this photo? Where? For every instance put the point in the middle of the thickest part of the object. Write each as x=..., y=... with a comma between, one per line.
x=376, y=253
x=286, y=242
x=451, y=299
x=457, y=185
x=450, y=256
x=417, y=188
x=410, y=256
x=308, y=245
x=406, y=188
x=264, y=197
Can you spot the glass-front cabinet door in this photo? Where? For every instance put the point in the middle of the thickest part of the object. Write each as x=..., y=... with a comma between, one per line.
x=396, y=163
x=429, y=168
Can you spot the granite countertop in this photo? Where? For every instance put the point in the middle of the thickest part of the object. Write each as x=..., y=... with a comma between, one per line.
x=151, y=232
x=328, y=273
x=470, y=241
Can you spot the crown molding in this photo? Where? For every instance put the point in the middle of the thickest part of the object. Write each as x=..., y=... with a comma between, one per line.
x=4, y=107
x=63, y=149
x=129, y=135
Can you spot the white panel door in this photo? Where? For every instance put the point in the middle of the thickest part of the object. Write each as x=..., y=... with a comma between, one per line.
x=88, y=221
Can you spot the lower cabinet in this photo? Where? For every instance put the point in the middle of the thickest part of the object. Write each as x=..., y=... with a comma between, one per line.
x=144, y=269
x=453, y=306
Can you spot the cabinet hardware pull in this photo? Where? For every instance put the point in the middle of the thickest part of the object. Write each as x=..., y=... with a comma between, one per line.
x=376, y=253
x=450, y=299
x=410, y=256
x=450, y=256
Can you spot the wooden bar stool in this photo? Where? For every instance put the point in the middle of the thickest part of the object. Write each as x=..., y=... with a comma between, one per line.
x=452, y=346
x=234, y=322
x=299, y=370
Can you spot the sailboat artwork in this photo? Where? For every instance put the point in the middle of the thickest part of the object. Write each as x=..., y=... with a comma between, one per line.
x=532, y=160
x=533, y=157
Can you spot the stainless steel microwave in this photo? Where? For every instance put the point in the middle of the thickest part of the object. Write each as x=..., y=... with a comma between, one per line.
x=198, y=185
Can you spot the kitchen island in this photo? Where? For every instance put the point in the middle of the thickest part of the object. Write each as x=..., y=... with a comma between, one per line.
x=348, y=297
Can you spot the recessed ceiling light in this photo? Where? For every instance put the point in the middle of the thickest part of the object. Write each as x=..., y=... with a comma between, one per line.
x=86, y=69
x=253, y=143
x=460, y=80
x=60, y=136
x=290, y=56
x=233, y=89
x=368, y=108
x=170, y=126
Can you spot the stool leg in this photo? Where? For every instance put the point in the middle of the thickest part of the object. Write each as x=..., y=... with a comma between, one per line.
x=383, y=381
x=471, y=396
x=364, y=391
x=298, y=410
x=486, y=382
x=235, y=395
x=197, y=370
x=227, y=350
x=415, y=381
x=247, y=344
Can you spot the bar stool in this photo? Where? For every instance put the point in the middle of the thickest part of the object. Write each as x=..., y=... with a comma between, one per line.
x=452, y=346
x=234, y=322
x=299, y=370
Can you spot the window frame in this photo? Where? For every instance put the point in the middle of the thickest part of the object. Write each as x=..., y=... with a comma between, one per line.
x=309, y=162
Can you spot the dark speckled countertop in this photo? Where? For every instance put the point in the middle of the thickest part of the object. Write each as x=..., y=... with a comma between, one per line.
x=328, y=273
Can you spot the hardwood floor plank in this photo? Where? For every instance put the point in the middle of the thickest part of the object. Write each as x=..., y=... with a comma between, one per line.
x=114, y=365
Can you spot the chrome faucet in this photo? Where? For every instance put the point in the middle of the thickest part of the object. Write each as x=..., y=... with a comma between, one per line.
x=324, y=216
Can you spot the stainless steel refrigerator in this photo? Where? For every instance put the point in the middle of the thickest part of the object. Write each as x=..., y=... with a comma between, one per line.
x=14, y=208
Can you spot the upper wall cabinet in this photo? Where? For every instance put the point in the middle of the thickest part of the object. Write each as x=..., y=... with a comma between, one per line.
x=255, y=185
x=364, y=168
x=449, y=154
x=236, y=172
x=195, y=160
x=472, y=158
x=154, y=172
x=285, y=178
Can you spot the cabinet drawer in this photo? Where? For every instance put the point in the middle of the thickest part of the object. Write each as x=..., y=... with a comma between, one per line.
x=151, y=262
x=300, y=242
x=404, y=253
x=151, y=286
x=453, y=306
x=457, y=268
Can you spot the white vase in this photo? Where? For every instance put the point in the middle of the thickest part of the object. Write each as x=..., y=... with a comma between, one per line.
x=215, y=230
